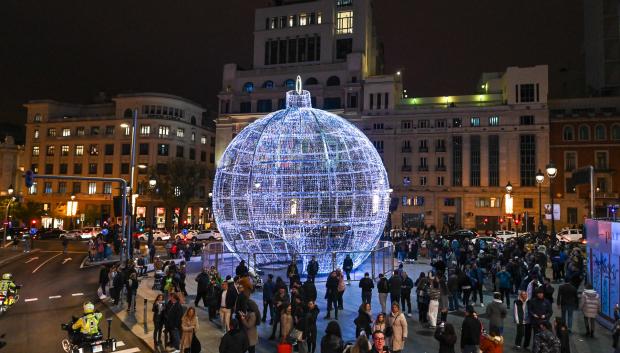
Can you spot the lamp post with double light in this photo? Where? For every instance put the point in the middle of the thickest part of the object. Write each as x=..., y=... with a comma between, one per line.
x=132, y=169
x=152, y=184
x=11, y=199
x=552, y=172
x=540, y=178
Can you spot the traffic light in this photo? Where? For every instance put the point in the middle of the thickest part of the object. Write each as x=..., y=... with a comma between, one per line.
x=29, y=178
x=33, y=222
x=501, y=220
x=517, y=221
x=486, y=221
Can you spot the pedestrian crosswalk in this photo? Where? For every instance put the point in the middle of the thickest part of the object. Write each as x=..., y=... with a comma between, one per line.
x=121, y=348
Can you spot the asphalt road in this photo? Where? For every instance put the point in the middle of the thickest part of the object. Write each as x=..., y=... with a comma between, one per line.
x=53, y=289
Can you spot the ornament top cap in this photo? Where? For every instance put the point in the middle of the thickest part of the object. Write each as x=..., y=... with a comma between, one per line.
x=298, y=98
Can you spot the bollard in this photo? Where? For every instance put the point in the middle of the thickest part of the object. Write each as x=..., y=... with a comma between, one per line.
x=109, y=327
x=146, y=330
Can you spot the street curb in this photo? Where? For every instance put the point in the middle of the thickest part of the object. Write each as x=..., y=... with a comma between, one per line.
x=84, y=265
x=134, y=329
x=17, y=257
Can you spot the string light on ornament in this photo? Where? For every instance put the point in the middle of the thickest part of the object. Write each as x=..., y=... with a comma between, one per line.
x=301, y=181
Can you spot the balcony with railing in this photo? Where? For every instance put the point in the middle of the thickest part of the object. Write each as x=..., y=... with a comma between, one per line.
x=406, y=168
x=440, y=148
x=440, y=168
x=423, y=168
x=405, y=149
x=423, y=149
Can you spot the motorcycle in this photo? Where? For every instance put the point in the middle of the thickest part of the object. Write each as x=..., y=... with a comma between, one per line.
x=8, y=300
x=75, y=343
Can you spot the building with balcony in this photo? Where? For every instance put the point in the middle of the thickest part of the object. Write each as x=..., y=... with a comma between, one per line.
x=583, y=132
x=88, y=140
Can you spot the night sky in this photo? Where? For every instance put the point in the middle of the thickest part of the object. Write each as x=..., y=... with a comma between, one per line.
x=70, y=50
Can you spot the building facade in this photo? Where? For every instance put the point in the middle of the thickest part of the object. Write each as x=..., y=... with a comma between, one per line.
x=602, y=47
x=11, y=165
x=448, y=158
x=88, y=140
x=585, y=132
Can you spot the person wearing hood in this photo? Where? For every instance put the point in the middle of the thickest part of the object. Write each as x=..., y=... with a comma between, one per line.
x=539, y=310
x=590, y=305
x=496, y=312
x=363, y=320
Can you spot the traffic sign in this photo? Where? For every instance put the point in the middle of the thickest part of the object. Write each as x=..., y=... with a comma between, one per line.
x=104, y=231
x=184, y=231
x=29, y=178
x=33, y=231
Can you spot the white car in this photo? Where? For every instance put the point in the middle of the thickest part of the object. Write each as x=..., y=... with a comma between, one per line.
x=209, y=235
x=505, y=234
x=72, y=234
x=89, y=232
x=158, y=235
x=190, y=234
x=569, y=235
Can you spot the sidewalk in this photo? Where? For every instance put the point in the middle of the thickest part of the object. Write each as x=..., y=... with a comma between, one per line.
x=420, y=339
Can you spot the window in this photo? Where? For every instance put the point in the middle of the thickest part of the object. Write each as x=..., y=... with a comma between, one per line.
x=107, y=188
x=37, y=117
x=145, y=130
x=600, y=133
x=124, y=168
x=66, y=132
x=212, y=158
x=64, y=150
x=162, y=149
x=62, y=187
x=343, y=47
x=474, y=172
x=203, y=140
x=180, y=132
x=144, y=149
x=92, y=188
x=493, y=160
x=440, y=181
x=528, y=203
x=449, y=201
x=528, y=160
x=424, y=124
x=126, y=131
x=457, y=160
x=109, y=149
x=94, y=131
x=601, y=184
x=34, y=168
x=79, y=150
x=47, y=187
x=333, y=81
x=93, y=150
x=107, y=168
x=526, y=120
x=109, y=130
x=405, y=124
x=568, y=133
x=311, y=81
x=36, y=134
x=377, y=126
x=268, y=84
x=248, y=87
x=92, y=168
x=423, y=146
x=483, y=202
x=33, y=189
x=441, y=123
x=527, y=93
x=440, y=145
x=584, y=132
x=180, y=152
x=457, y=122
x=263, y=106
x=63, y=168
x=79, y=131
x=601, y=160
x=77, y=168
x=423, y=162
x=50, y=150
x=570, y=160
x=341, y=3
x=125, y=149
x=49, y=168
x=193, y=136
x=378, y=145
x=164, y=131
x=344, y=22
x=494, y=120
x=331, y=103
x=615, y=132
x=35, y=151
x=162, y=168
x=51, y=132
x=571, y=214
x=203, y=156
x=474, y=121
x=419, y=200
x=192, y=154
x=76, y=188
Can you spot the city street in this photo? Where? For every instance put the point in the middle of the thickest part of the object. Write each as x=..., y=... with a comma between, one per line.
x=54, y=288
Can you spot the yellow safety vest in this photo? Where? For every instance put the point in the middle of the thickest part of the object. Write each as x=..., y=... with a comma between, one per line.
x=88, y=324
x=5, y=285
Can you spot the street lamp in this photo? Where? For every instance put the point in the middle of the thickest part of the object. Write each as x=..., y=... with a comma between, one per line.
x=509, y=188
x=11, y=190
x=540, y=178
x=132, y=168
x=6, y=212
x=552, y=172
x=152, y=181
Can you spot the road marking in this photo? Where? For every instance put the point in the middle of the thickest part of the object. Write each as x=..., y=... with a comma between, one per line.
x=77, y=294
x=130, y=350
x=46, y=261
x=120, y=343
x=65, y=260
x=55, y=296
x=31, y=259
x=31, y=300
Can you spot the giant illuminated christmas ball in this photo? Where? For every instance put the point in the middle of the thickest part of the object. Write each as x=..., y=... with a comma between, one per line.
x=300, y=182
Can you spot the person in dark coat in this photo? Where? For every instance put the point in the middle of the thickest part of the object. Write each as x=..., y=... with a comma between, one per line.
x=235, y=340
x=313, y=268
x=363, y=320
x=331, y=294
x=539, y=310
x=241, y=270
x=158, y=318
x=269, y=290
x=366, y=284
x=292, y=272
x=132, y=291
x=561, y=331
x=332, y=341
x=117, y=286
x=396, y=282
x=446, y=335
x=470, y=331
x=203, y=280
x=309, y=291
x=173, y=315
x=347, y=267
x=312, y=314
x=568, y=301
x=103, y=278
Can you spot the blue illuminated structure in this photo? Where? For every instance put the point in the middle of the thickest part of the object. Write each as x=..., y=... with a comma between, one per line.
x=301, y=181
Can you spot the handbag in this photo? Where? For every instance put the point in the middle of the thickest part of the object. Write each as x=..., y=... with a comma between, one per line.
x=196, y=346
x=296, y=334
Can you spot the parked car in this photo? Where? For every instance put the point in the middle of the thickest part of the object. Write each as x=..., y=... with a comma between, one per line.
x=485, y=238
x=209, y=235
x=462, y=234
x=190, y=234
x=72, y=234
x=54, y=233
x=158, y=235
x=570, y=235
x=505, y=234
x=89, y=232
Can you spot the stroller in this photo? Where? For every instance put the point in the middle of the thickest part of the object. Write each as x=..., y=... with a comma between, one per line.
x=159, y=276
x=256, y=276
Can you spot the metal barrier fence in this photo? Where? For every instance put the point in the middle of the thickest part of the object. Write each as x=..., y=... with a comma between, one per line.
x=379, y=260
